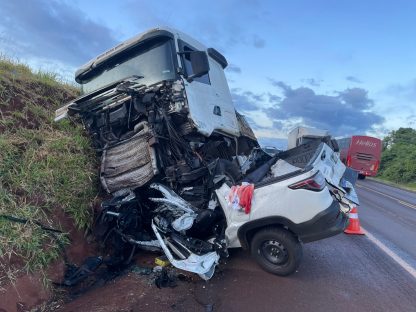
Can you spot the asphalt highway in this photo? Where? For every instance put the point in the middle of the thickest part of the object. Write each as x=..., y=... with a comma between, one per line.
x=390, y=215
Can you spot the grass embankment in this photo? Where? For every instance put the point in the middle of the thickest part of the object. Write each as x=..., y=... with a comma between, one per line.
x=47, y=169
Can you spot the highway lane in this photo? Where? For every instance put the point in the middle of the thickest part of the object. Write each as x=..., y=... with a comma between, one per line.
x=343, y=273
x=385, y=190
x=388, y=214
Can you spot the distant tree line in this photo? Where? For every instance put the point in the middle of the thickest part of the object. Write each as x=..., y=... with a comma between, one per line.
x=398, y=159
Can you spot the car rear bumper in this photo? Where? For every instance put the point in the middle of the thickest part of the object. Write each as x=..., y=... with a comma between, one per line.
x=327, y=223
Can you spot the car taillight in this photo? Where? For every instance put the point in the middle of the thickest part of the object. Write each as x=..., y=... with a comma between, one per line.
x=348, y=160
x=315, y=183
x=376, y=166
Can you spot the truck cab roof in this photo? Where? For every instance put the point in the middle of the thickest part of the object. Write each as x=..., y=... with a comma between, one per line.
x=140, y=38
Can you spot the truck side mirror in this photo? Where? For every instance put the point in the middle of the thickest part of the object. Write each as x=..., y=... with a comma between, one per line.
x=335, y=145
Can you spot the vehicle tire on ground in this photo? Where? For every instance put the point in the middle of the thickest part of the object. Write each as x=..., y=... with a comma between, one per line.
x=361, y=177
x=276, y=250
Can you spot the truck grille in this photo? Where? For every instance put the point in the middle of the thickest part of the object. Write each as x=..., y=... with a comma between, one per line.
x=363, y=156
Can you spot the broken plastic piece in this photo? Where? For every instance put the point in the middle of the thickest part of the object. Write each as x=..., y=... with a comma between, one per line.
x=171, y=198
x=203, y=265
x=152, y=245
x=162, y=261
x=184, y=222
x=351, y=195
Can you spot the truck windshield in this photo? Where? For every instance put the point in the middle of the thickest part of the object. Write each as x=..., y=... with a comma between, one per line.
x=152, y=60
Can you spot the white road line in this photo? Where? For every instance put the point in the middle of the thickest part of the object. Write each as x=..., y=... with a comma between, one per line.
x=359, y=185
x=394, y=198
x=407, y=204
x=391, y=253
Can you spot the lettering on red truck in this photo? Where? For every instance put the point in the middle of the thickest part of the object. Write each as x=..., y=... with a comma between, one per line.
x=366, y=143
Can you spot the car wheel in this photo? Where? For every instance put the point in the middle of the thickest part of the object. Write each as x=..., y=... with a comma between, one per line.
x=361, y=177
x=276, y=250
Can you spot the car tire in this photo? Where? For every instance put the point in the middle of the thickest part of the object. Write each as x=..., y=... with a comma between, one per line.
x=361, y=177
x=276, y=250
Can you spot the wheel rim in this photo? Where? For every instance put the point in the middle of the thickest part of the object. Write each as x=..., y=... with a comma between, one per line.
x=274, y=252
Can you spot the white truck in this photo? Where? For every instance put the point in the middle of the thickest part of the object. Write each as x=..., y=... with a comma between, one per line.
x=301, y=135
x=161, y=117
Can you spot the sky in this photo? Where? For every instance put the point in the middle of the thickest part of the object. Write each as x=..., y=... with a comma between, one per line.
x=345, y=66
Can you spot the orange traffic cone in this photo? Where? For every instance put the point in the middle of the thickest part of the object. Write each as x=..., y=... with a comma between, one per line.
x=354, y=224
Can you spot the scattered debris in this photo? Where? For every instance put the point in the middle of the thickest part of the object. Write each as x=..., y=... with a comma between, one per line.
x=162, y=261
x=164, y=279
x=74, y=275
x=141, y=270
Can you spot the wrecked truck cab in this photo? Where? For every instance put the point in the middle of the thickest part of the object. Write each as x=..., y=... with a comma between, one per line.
x=159, y=105
x=159, y=112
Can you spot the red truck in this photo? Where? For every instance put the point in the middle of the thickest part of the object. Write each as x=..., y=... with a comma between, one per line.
x=361, y=153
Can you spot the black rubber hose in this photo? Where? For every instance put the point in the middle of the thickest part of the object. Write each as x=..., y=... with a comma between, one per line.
x=23, y=221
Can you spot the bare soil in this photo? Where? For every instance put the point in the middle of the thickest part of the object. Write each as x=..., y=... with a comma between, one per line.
x=28, y=290
x=136, y=292
x=16, y=95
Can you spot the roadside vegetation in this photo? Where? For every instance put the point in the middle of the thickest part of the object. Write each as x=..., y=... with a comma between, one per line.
x=398, y=159
x=47, y=169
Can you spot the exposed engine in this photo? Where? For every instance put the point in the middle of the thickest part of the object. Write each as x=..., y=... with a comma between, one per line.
x=144, y=134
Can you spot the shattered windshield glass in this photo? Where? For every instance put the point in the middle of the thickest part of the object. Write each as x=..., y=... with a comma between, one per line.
x=154, y=61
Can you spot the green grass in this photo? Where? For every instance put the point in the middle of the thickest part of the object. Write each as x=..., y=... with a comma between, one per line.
x=17, y=70
x=11, y=67
x=46, y=168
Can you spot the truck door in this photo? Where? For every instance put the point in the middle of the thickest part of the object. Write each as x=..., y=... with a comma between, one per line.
x=225, y=119
x=209, y=99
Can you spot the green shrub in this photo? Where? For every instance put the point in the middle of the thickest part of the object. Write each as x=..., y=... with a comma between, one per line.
x=398, y=160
